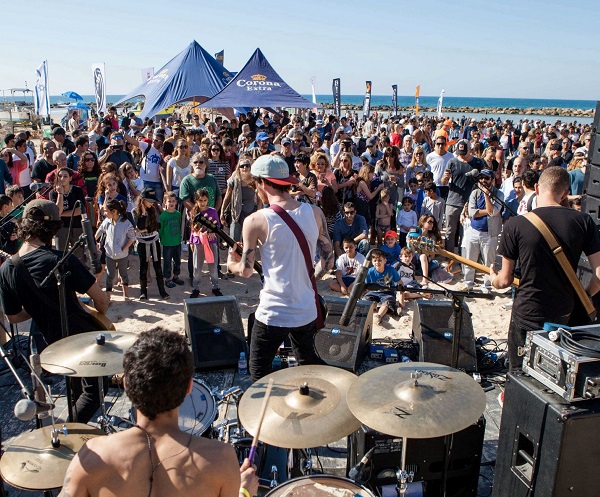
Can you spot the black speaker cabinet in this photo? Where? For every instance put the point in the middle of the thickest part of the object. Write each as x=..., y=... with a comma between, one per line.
x=591, y=205
x=433, y=328
x=423, y=456
x=594, y=151
x=591, y=183
x=215, y=331
x=345, y=346
x=547, y=446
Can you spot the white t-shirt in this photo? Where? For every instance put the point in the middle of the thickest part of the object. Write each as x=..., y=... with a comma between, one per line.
x=437, y=164
x=150, y=166
x=348, y=266
x=178, y=172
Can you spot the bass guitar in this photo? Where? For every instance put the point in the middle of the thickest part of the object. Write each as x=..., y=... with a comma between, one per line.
x=428, y=246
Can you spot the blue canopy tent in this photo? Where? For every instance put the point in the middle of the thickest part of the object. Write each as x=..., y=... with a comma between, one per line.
x=193, y=74
x=258, y=85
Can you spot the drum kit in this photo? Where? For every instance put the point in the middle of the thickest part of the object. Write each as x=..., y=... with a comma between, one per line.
x=277, y=417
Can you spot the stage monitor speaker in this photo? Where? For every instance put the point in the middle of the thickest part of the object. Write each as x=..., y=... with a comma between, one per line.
x=345, y=346
x=591, y=205
x=547, y=446
x=215, y=331
x=591, y=182
x=594, y=150
x=433, y=328
x=424, y=456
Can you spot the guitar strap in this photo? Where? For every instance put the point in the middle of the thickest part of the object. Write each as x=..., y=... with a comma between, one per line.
x=307, y=259
x=559, y=253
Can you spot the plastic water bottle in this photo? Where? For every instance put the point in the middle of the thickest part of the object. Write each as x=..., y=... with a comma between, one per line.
x=242, y=364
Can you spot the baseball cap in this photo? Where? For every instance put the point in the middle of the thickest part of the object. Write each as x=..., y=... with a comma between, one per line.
x=319, y=121
x=262, y=136
x=58, y=131
x=462, y=147
x=556, y=146
x=448, y=122
x=149, y=194
x=372, y=141
x=390, y=234
x=41, y=210
x=286, y=141
x=273, y=168
x=488, y=173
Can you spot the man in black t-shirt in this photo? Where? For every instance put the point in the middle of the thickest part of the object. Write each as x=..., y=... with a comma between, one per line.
x=45, y=165
x=23, y=299
x=544, y=293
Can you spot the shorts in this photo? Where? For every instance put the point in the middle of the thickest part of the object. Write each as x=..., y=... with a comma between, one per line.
x=381, y=298
x=348, y=280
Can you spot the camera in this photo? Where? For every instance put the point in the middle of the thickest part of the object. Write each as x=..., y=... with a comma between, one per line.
x=117, y=147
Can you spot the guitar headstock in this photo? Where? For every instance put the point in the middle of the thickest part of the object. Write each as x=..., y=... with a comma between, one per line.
x=423, y=244
x=206, y=221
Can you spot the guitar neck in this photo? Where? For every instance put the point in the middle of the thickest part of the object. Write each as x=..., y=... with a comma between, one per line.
x=234, y=245
x=468, y=262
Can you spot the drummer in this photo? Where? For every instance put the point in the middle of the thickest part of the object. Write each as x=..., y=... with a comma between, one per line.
x=23, y=299
x=155, y=457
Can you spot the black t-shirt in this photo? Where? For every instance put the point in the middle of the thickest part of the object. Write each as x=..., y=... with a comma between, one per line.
x=69, y=201
x=41, y=169
x=544, y=292
x=461, y=185
x=16, y=294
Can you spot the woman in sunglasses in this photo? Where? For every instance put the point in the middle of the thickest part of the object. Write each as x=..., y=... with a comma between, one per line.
x=178, y=166
x=417, y=164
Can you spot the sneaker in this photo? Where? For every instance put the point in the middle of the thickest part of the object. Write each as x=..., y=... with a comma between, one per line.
x=229, y=274
x=222, y=275
x=465, y=288
x=164, y=296
x=486, y=289
x=178, y=281
x=195, y=294
x=501, y=399
x=170, y=284
x=184, y=247
x=217, y=292
x=143, y=296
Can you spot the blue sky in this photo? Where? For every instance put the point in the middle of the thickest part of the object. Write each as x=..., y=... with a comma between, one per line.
x=529, y=49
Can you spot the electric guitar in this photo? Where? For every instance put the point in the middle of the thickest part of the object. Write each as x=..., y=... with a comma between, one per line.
x=428, y=246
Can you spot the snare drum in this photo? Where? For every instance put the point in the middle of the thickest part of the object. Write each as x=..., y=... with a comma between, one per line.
x=320, y=486
x=198, y=410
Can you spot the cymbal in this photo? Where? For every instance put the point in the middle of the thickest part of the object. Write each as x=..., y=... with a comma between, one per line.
x=83, y=355
x=31, y=463
x=295, y=417
x=440, y=401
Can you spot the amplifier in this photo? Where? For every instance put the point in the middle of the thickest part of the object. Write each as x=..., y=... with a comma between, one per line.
x=573, y=377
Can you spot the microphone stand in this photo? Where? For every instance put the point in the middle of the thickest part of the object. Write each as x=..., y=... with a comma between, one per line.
x=495, y=197
x=60, y=273
x=8, y=216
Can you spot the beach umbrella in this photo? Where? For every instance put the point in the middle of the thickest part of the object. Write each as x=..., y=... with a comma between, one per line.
x=72, y=94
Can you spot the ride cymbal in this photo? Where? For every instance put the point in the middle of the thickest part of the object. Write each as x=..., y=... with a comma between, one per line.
x=32, y=463
x=87, y=355
x=416, y=400
x=307, y=407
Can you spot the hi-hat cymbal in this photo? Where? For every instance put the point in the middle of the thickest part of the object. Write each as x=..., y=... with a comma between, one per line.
x=85, y=355
x=30, y=462
x=298, y=417
x=440, y=400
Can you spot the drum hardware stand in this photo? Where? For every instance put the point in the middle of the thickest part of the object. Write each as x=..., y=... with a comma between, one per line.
x=60, y=273
x=404, y=477
x=274, y=475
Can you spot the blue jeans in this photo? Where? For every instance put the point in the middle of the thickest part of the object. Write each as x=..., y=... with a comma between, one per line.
x=171, y=254
x=157, y=186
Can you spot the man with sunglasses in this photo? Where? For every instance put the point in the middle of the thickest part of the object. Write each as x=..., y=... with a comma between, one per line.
x=151, y=167
x=438, y=163
x=352, y=226
x=115, y=151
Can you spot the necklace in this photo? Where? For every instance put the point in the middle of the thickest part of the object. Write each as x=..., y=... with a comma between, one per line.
x=154, y=466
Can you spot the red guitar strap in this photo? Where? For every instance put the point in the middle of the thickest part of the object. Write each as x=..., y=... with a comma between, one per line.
x=306, y=252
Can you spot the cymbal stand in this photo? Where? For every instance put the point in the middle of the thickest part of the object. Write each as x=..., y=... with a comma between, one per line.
x=103, y=420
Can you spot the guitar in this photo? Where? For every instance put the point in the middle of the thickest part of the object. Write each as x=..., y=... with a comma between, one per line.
x=428, y=246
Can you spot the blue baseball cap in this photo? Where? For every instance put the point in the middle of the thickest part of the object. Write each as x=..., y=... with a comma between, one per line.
x=262, y=136
x=273, y=168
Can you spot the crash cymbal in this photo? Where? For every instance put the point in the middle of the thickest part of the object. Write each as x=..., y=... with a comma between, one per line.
x=307, y=407
x=85, y=355
x=31, y=463
x=439, y=401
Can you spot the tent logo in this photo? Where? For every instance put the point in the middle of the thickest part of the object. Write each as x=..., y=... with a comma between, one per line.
x=257, y=82
x=160, y=77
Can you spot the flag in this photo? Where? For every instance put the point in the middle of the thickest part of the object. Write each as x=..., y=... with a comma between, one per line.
x=147, y=73
x=220, y=56
x=440, y=102
x=314, y=97
x=337, y=110
x=395, y=99
x=41, y=94
x=417, y=93
x=99, y=86
x=367, y=102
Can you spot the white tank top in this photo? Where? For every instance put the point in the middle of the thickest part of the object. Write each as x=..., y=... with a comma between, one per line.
x=287, y=298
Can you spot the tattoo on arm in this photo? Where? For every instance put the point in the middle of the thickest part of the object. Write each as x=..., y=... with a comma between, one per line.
x=245, y=255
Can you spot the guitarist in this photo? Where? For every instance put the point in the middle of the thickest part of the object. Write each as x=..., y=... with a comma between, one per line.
x=287, y=300
x=545, y=294
x=23, y=299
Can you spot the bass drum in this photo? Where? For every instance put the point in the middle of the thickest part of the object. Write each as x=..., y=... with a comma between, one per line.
x=266, y=459
x=198, y=410
x=320, y=486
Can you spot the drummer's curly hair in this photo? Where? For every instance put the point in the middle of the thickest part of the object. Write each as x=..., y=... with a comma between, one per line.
x=43, y=230
x=158, y=368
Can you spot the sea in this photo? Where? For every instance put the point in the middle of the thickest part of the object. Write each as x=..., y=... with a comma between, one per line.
x=490, y=103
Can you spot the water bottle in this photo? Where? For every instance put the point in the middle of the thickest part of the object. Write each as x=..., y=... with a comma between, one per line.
x=242, y=364
x=405, y=359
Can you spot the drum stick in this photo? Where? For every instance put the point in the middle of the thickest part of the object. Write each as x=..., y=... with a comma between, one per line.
x=263, y=410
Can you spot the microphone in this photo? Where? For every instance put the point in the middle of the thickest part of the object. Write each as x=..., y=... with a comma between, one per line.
x=357, y=290
x=473, y=173
x=26, y=409
x=34, y=187
x=357, y=472
x=90, y=242
x=39, y=393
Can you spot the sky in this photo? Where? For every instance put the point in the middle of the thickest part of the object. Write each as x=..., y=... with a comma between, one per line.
x=519, y=49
